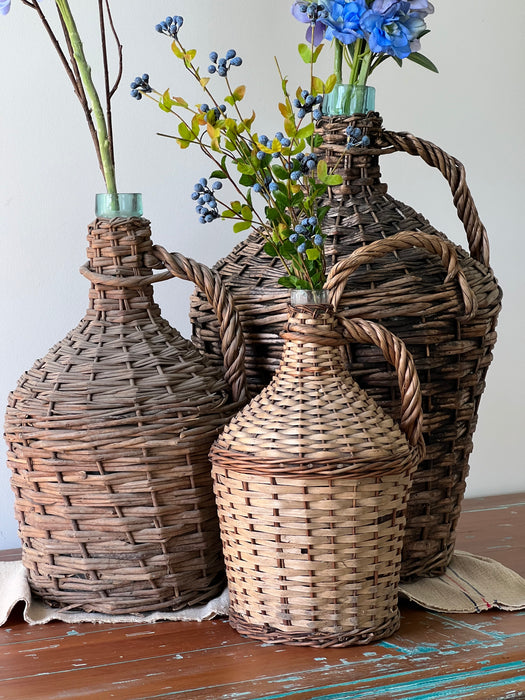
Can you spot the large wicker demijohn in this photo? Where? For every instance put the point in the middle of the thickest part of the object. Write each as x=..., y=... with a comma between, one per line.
x=108, y=438
x=312, y=480
x=406, y=291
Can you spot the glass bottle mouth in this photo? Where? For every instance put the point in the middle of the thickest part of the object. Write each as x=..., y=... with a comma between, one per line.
x=346, y=100
x=109, y=206
x=305, y=297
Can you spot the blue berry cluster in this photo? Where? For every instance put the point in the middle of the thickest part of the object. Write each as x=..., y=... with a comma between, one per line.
x=170, y=26
x=307, y=229
x=302, y=164
x=314, y=11
x=265, y=141
x=308, y=103
x=214, y=112
x=222, y=65
x=269, y=184
x=356, y=138
x=140, y=85
x=205, y=198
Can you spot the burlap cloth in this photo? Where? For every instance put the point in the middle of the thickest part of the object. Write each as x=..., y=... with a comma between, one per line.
x=471, y=584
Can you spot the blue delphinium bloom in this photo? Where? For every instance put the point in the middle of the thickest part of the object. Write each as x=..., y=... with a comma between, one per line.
x=344, y=20
x=5, y=6
x=311, y=13
x=392, y=28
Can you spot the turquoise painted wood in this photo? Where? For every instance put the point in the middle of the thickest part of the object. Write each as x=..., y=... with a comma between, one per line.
x=432, y=657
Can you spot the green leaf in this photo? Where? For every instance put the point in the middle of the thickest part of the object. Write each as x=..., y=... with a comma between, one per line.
x=228, y=214
x=236, y=206
x=322, y=170
x=163, y=107
x=313, y=253
x=286, y=282
x=190, y=55
x=241, y=226
x=270, y=249
x=219, y=174
x=185, y=132
x=176, y=50
x=272, y=214
x=281, y=172
x=245, y=168
x=317, y=85
x=422, y=61
x=306, y=131
x=247, y=180
x=305, y=53
x=229, y=99
x=246, y=213
x=330, y=83
x=332, y=180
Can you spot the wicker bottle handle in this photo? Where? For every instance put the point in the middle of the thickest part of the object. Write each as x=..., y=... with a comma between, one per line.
x=396, y=353
x=232, y=338
x=340, y=272
x=454, y=172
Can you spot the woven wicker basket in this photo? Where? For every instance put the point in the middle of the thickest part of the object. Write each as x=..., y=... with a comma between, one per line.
x=311, y=481
x=108, y=437
x=404, y=290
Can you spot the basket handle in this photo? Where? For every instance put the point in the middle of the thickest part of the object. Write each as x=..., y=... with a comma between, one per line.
x=395, y=352
x=232, y=338
x=454, y=173
x=338, y=275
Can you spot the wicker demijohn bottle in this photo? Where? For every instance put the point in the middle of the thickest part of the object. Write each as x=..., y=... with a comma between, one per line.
x=449, y=329
x=312, y=480
x=108, y=438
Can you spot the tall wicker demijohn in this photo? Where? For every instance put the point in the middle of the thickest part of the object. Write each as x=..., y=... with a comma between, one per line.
x=108, y=438
x=449, y=329
x=312, y=480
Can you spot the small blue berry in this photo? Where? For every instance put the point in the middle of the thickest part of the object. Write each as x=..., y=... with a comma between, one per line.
x=293, y=238
x=318, y=239
x=231, y=54
x=202, y=220
x=204, y=108
x=211, y=69
x=285, y=143
x=257, y=187
x=217, y=185
x=300, y=229
x=312, y=220
x=301, y=248
x=222, y=71
x=279, y=135
x=317, y=114
x=301, y=113
x=214, y=56
x=195, y=195
x=304, y=94
x=365, y=141
x=260, y=155
x=203, y=181
x=296, y=175
x=237, y=61
x=273, y=187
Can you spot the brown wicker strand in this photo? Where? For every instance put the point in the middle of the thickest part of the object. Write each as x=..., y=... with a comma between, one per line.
x=338, y=275
x=221, y=300
x=395, y=352
x=454, y=172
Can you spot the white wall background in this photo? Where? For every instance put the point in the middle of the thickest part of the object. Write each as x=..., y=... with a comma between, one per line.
x=48, y=175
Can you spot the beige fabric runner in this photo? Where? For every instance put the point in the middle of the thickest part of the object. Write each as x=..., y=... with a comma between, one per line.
x=471, y=584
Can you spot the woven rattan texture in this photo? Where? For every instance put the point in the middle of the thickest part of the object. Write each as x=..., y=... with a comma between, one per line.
x=312, y=561
x=406, y=290
x=311, y=480
x=108, y=438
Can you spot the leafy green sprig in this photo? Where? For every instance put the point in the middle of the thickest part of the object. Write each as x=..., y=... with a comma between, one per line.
x=284, y=172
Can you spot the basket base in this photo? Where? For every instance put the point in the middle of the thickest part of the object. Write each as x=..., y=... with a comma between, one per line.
x=350, y=637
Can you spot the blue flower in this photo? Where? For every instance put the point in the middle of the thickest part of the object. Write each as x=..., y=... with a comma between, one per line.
x=344, y=20
x=311, y=14
x=5, y=6
x=393, y=27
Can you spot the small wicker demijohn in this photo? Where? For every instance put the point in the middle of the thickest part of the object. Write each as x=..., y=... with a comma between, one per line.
x=108, y=438
x=312, y=480
x=449, y=329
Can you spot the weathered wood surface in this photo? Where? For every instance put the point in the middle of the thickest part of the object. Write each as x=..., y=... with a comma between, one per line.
x=432, y=657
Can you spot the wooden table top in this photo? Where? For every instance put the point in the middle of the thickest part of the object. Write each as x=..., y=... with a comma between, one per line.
x=432, y=657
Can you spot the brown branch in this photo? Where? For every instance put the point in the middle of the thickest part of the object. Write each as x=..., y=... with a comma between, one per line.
x=119, y=50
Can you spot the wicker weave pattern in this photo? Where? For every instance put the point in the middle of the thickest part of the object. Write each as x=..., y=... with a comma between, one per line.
x=447, y=321
x=297, y=549
x=108, y=438
x=311, y=480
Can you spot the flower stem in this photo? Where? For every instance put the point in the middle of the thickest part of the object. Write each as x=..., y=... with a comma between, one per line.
x=338, y=61
x=108, y=166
